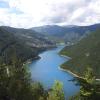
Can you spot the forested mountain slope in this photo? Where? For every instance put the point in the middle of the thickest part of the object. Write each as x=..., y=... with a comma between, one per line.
x=25, y=43
x=85, y=53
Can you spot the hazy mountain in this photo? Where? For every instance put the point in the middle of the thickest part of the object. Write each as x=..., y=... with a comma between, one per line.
x=66, y=33
x=85, y=53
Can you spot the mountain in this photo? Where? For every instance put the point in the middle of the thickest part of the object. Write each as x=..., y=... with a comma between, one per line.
x=30, y=37
x=85, y=53
x=26, y=43
x=66, y=34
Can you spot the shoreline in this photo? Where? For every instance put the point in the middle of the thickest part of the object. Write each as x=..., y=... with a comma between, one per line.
x=65, y=56
x=70, y=72
x=28, y=61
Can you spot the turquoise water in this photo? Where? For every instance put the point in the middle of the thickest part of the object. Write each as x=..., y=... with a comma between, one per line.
x=45, y=70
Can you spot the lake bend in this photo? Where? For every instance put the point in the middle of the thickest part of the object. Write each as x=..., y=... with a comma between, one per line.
x=46, y=71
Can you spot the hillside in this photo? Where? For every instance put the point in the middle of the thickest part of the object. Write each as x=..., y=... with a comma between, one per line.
x=85, y=53
x=25, y=43
x=70, y=33
x=30, y=37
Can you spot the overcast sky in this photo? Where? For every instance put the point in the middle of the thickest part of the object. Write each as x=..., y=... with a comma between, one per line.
x=30, y=13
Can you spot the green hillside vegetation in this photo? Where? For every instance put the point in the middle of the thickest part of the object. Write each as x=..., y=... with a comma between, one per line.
x=29, y=37
x=15, y=79
x=10, y=43
x=16, y=83
x=26, y=43
x=86, y=53
x=89, y=88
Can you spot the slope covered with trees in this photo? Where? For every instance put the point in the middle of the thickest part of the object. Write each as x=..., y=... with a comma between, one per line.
x=86, y=53
x=26, y=43
x=30, y=37
x=16, y=83
x=15, y=79
x=89, y=87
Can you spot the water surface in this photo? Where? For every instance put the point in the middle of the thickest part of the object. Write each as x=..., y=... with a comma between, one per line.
x=46, y=70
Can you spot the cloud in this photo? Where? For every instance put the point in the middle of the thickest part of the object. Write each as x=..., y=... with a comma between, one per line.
x=29, y=13
x=87, y=15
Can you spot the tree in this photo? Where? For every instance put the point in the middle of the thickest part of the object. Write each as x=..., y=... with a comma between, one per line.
x=88, y=87
x=4, y=79
x=56, y=93
x=15, y=81
x=38, y=90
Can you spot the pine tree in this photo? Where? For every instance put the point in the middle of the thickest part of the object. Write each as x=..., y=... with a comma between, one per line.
x=88, y=87
x=15, y=81
x=56, y=93
x=4, y=79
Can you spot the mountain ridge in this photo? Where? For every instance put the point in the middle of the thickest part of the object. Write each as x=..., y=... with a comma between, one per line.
x=85, y=53
x=24, y=42
x=66, y=33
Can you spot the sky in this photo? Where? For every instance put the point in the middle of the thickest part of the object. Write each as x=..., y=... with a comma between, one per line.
x=32, y=13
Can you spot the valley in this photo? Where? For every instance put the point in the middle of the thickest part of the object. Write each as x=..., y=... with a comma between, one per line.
x=63, y=57
x=49, y=49
x=49, y=64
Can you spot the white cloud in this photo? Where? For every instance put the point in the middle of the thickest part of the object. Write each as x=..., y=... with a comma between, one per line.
x=29, y=13
x=77, y=13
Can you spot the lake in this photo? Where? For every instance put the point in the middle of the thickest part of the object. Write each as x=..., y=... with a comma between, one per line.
x=46, y=70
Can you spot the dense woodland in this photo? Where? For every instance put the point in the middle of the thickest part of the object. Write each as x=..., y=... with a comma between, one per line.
x=16, y=84
x=85, y=53
x=26, y=43
x=15, y=79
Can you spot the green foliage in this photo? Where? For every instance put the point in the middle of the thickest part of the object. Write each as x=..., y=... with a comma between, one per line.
x=56, y=93
x=89, y=76
x=25, y=42
x=85, y=53
x=88, y=87
x=38, y=91
x=15, y=82
x=11, y=40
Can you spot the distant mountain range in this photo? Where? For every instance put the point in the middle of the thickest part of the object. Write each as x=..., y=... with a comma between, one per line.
x=85, y=53
x=25, y=42
x=66, y=34
x=29, y=42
